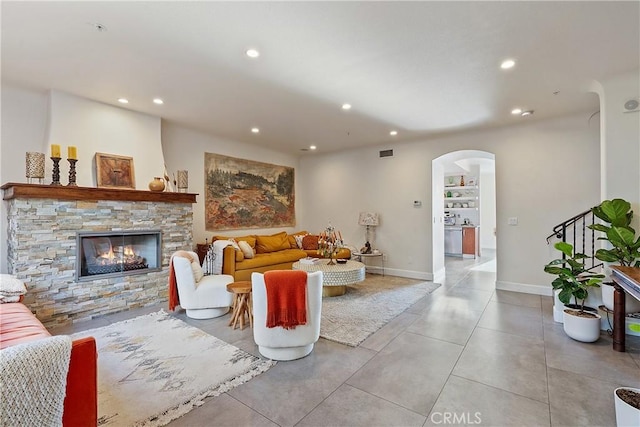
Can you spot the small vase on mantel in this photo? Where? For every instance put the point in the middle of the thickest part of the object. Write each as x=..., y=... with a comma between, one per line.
x=157, y=184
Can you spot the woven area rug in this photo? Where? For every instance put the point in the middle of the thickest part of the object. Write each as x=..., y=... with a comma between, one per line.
x=156, y=368
x=368, y=306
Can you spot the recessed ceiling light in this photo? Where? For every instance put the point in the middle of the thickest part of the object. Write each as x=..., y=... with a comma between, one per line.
x=252, y=53
x=526, y=113
x=312, y=147
x=507, y=63
x=516, y=111
x=346, y=106
x=255, y=130
x=158, y=101
x=393, y=133
x=123, y=100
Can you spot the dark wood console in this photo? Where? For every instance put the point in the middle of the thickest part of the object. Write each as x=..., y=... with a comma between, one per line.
x=626, y=280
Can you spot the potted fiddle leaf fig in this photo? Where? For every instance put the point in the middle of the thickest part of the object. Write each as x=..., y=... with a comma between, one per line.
x=573, y=281
x=616, y=216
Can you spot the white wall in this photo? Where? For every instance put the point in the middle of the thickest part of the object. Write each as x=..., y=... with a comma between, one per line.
x=184, y=150
x=620, y=135
x=437, y=218
x=538, y=180
x=24, y=124
x=94, y=127
x=487, y=210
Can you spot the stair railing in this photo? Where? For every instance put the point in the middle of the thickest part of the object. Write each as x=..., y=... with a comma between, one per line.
x=575, y=230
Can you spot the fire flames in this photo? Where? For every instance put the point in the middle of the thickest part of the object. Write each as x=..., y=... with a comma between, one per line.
x=112, y=257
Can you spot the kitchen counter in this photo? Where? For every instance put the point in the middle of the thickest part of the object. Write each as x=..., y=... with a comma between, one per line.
x=461, y=240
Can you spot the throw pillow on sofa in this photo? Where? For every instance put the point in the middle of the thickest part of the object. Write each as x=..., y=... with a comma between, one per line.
x=298, y=240
x=293, y=239
x=251, y=240
x=246, y=249
x=273, y=243
x=310, y=242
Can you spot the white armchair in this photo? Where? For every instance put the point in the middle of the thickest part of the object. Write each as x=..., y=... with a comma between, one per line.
x=205, y=299
x=286, y=344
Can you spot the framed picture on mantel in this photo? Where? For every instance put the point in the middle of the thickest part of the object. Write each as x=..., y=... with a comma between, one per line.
x=113, y=171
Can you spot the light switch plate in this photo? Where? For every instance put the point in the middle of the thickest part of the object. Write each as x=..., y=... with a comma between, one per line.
x=512, y=220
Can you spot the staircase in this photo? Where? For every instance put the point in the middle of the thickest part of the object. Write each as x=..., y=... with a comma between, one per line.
x=576, y=232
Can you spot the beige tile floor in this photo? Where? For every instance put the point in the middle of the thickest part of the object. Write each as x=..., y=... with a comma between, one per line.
x=466, y=352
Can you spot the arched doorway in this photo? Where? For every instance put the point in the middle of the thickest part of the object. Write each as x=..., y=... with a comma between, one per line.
x=473, y=203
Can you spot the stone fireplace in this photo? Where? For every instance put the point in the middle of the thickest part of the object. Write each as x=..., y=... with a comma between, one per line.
x=45, y=247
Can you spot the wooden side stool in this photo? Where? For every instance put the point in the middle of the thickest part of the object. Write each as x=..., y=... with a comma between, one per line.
x=241, y=303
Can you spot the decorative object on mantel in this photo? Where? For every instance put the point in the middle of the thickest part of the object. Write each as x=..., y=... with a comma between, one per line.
x=113, y=171
x=329, y=243
x=168, y=185
x=55, y=156
x=35, y=166
x=183, y=181
x=72, y=172
x=368, y=219
x=72, y=158
x=157, y=184
x=55, y=175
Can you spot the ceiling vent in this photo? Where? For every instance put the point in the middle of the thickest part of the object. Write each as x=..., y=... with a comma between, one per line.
x=632, y=106
x=386, y=153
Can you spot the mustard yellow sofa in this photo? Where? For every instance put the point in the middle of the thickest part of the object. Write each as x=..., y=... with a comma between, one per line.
x=271, y=252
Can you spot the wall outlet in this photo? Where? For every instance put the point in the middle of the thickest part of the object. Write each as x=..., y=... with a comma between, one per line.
x=512, y=220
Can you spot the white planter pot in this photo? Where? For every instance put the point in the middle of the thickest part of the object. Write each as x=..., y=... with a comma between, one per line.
x=626, y=415
x=585, y=329
x=558, y=308
x=631, y=305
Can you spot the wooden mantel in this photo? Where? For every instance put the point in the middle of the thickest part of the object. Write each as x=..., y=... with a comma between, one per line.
x=14, y=190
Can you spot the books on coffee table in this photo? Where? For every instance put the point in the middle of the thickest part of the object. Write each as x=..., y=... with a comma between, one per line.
x=309, y=260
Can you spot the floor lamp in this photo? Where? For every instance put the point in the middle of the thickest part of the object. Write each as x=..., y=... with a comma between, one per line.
x=368, y=219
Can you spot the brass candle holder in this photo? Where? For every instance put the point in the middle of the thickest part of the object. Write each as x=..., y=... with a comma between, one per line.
x=72, y=172
x=56, y=171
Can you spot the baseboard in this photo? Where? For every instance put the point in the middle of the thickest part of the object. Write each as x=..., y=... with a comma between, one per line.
x=440, y=275
x=409, y=274
x=524, y=288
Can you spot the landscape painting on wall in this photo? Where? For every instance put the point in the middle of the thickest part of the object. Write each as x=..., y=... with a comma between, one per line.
x=243, y=193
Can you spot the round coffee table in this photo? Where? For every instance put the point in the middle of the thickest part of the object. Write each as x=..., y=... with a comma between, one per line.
x=335, y=278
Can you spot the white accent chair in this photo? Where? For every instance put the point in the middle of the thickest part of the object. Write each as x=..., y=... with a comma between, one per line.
x=205, y=299
x=286, y=344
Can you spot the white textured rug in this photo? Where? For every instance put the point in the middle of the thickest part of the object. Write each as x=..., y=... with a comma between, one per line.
x=156, y=368
x=368, y=306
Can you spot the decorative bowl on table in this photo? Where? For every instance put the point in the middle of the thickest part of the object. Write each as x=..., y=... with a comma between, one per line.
x=341, y=261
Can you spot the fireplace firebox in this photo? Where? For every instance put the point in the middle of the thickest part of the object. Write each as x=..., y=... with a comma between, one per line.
x=117, y=253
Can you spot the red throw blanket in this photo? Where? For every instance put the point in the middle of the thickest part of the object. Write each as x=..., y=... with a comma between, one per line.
x=174, y=299
x=286, y=298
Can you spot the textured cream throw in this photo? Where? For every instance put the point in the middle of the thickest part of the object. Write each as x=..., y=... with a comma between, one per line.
x=33, y=380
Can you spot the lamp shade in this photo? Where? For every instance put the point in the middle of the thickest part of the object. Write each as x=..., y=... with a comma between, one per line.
x=368, y=218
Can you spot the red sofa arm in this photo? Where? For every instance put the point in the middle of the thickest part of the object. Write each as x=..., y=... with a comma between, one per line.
x=81, y=400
